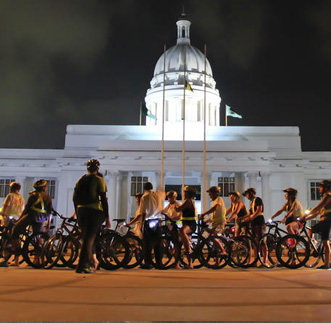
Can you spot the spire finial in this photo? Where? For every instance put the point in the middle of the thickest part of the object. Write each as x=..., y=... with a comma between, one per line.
x=183, y=11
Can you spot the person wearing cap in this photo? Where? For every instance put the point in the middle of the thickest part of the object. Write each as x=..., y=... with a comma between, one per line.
x=189, y=217
x=238, y=211
x=324, y=225
x=217, y=210
x=37, y=211
x=91, y=206
x=293, y=209
x=255, y=214
x=13, y=204
x=149, y=213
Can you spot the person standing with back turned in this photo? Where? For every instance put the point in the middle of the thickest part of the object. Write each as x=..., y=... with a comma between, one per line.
x=91, y=206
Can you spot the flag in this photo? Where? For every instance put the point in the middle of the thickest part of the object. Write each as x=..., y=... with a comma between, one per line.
x=230, y=113
x=188, y=86
x=146, y=112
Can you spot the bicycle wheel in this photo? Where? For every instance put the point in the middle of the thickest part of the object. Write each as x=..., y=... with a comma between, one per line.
x=240, y=251
x=135, y=252
x=70, y=253
x=112, y=251
x=195, y=256
x=267, y=250
x=218, y=252
x=315, y=254
x=292, y=251
x=33, y=249
x=52, y=251
x=168, y=256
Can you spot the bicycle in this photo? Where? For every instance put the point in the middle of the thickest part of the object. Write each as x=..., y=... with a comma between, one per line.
x=135, y=257
x=292, y=251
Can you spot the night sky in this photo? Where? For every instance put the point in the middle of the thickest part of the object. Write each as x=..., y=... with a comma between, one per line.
x=90, y=62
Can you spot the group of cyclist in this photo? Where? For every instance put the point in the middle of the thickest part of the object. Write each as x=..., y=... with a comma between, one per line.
x=91, y=207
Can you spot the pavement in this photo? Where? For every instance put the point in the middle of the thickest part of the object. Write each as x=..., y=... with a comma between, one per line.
x=229, y=294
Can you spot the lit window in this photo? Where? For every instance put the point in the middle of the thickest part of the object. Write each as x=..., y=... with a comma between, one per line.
x=137, y=184
x=314, y=191
x=227, y=185
x=4, y=186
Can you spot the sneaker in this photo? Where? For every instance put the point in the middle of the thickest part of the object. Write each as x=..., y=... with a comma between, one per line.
x=4, y=264
x=323, y=267
x=84, y=271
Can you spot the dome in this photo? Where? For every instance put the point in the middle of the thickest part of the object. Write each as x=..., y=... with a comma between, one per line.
x=194, y=62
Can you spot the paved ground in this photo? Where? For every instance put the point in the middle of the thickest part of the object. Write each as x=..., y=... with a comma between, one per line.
x=194, y=295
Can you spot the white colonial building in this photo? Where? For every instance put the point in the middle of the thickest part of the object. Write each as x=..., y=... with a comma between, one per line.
x=268, y=158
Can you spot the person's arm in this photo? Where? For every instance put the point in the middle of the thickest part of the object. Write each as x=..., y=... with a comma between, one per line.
x=6, y=204
x=256, y=213
x=234, y=212
x=165, y=210
x=277, y=213
x=211, y=210
x=313, y=213
x=104, y=203
x=136, y=218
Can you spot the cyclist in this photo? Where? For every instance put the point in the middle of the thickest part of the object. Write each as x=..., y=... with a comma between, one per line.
x=238, y=211
x=293, y=209
x=217, y=210
x=255, y=215
x=149, y=213
x=91, y=206
x=36, y=212
x=13, y=204
x=324, y=225
x=189, y=217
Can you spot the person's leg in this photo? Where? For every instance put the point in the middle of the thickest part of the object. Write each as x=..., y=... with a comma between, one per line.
x=147, y=250
x=82, y=222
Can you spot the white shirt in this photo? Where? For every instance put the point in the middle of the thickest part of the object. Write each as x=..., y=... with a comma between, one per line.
x=150, y=204
x=219, y=214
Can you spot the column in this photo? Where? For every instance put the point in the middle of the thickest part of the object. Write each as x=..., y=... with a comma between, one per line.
x=157, y=181
x=265, y=176
x=111, y=180
x=252, y=179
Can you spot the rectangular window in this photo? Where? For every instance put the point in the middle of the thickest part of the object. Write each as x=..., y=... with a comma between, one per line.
x=178, y=189
x=137, y=184
x=51, y=188
x=227, y=184
x=314, y=191
x=4, y=186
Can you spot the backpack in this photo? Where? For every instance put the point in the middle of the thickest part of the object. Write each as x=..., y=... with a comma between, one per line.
x=82, y=191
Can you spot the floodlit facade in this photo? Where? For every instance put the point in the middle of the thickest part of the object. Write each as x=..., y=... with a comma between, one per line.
x=267, y=158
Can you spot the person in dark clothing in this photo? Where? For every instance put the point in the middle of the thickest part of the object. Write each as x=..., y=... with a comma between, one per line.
x=91, y=206
x=37, y=210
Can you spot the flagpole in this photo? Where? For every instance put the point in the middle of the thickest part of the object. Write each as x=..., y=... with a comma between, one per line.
x=184, y=108
x=140, y=114
x=163, y=114
x=204, y=136
x=226, y=118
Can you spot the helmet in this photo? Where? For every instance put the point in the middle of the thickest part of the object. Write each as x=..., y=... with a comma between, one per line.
x=172, y=193
x=214, y=189
x=326, y=184
x=40, y=183
x=235, y=193
x=191, y=189
x=291, y=191
x=249, y=190
x=93, y=165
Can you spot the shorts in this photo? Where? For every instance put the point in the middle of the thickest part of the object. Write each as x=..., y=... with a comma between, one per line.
x=241, y=225
x=218, y=227
x=258, y=231
x=191, y=223
x=323, y=227
x=259, y=220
